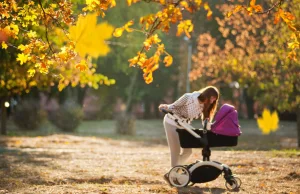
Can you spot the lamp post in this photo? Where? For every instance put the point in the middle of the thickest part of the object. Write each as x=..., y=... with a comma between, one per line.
x=189, y=63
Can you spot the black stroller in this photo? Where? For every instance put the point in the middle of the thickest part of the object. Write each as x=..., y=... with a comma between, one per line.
x=224, y=132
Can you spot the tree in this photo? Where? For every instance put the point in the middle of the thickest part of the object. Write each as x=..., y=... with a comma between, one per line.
x=29, y=58
x=23, y=21
x=16, y=16
x=254, y=54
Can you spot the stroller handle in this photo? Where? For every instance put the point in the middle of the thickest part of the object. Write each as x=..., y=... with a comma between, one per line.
x=165, y=111
x=184, y=125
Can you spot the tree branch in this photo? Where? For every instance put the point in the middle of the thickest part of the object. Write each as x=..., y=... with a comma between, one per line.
x=46, y=26
x=271, y=8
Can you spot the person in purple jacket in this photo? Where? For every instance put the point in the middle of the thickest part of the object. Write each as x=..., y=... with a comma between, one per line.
x=199, y=104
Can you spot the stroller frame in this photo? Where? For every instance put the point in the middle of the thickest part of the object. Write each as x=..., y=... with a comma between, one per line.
x=200, y=171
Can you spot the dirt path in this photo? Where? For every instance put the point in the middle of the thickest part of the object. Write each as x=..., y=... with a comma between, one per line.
x=72, y=164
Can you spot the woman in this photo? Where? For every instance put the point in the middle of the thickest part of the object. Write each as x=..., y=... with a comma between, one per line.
x=199, y=104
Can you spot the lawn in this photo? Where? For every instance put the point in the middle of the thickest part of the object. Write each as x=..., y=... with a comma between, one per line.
x=96, y=160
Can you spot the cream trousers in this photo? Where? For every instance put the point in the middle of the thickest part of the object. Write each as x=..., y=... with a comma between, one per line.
x=178, y=155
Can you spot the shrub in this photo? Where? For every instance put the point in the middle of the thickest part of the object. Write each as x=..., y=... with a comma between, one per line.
x=67, y=117
x=28, y=115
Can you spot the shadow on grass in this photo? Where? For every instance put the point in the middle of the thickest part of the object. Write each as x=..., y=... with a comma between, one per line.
x=198, y=190
x=105, y=180
x=18, y=168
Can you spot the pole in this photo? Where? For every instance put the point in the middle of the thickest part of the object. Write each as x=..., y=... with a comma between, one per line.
x=189, y=64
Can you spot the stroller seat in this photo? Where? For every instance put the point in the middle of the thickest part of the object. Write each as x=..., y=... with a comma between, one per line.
x=224, y=131
x=214, y=140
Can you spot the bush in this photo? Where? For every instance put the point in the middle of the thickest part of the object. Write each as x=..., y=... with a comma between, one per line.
x=28, y=115
x=67, y=117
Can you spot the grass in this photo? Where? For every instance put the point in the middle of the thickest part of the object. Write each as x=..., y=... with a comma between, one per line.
x=152, y=131
x=97, y=160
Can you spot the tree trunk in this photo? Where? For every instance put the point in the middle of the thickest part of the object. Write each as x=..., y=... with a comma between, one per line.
x=3, y=117
x=298, y=126
x=147, y=107
x=249, y=103
x=125, y=123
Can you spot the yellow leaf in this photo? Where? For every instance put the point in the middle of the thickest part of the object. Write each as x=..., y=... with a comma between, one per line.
x=118, y=32
x=112, y=81
x=129, y=2
x=61, y=84
x=229, y=14
x=209, y=14
x=21, y=47
x=155, y=39
x=291, y=45
x=23, y=58
x=206, y=6
x=250, y=10
x=31, y=34
x=126, y=26
x=31, y=72
x=89, y=37
x=274, y=121
x=268, y=122
x=148, y=78
x=168, y=60
x=4, y=45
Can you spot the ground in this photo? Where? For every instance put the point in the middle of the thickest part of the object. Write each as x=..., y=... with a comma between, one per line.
x=73, y=163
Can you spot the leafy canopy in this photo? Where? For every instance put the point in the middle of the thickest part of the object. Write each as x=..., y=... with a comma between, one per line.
x=22, y=19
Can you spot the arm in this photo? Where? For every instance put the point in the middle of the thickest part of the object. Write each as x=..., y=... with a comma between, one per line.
x=178, y=103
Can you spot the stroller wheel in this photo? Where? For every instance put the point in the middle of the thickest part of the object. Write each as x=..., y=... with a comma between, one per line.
x=238, y=181
x=179, y=176
x=233, y=183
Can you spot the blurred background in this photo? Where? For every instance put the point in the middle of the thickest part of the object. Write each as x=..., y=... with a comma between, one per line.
x=244, y=58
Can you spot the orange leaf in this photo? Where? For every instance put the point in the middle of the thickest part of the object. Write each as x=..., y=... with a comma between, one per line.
x=292, y=27
x=257, y=8
x=277, y=17
x=237, y=8
x=289, y=16
x=252, y=2
x=82, y=65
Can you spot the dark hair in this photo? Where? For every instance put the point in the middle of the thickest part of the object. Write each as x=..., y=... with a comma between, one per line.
x=206, y=93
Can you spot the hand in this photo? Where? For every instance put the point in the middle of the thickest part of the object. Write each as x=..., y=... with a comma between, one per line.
x=208, y=125
x=163, y=106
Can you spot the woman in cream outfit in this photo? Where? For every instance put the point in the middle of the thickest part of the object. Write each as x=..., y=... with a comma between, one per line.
x=199, y=104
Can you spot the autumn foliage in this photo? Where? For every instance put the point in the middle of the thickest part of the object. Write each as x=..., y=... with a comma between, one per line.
x=28, y=27
x=50, y=43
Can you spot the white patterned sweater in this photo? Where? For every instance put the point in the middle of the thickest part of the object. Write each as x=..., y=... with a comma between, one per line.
x=187, y=107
